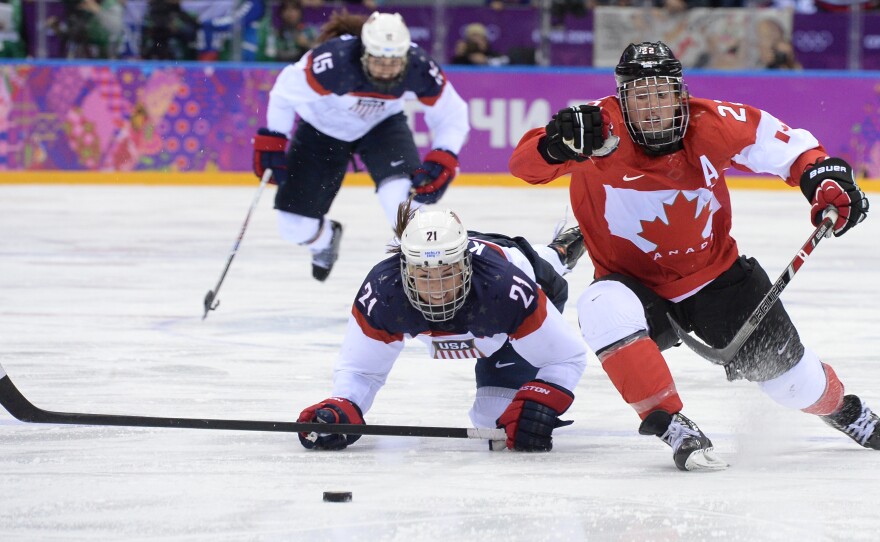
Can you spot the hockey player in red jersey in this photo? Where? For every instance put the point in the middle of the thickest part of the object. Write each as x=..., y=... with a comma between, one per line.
x=349, y=94
x=655, y=212
x=488, y=299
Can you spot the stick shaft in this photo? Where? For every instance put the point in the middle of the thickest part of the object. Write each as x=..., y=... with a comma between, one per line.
x=209, y=304
x=22, y=409
x=723, y=356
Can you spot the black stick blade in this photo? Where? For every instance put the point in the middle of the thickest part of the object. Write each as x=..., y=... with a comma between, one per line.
x=16, y=403
x=718, y=356
x=209, y=304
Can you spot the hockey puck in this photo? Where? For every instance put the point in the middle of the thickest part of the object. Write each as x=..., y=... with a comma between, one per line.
x=337, y=496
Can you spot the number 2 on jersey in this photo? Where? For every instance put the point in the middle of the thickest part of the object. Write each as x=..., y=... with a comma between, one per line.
x=368, y=292
x=518, y=292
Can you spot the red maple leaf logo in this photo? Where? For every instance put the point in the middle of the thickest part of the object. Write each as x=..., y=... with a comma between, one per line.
x=684, y=233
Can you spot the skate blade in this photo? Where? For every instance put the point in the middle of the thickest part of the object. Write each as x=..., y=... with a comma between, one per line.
x=705, y=459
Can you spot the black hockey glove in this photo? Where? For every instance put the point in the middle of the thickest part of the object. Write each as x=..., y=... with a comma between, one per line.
x=533, y=414
x=330, y=411
x=832, y=183
x=269, y=150
x=432, y=178
x=575, y=133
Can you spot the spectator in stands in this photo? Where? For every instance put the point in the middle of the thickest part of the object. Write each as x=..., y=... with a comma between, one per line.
x=560, y=8
x=369, y=4
x=12, y=43
x=169, y=32
x=501, y=4
x=846, y=5
x=91, y=28
x=774, y=48
x=676, y=6
x=474, y=48
x=289, y=41
x=219, y=42
x=798, y=6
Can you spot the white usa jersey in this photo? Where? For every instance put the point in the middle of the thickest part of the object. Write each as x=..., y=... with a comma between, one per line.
x=328, y=89
x=504, y=304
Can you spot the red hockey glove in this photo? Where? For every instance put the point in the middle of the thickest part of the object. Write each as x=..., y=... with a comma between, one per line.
x=432, y=178
x=332, y=410
x=269, y=150
x=533, y=414
x=831, y=182
x=576, y=133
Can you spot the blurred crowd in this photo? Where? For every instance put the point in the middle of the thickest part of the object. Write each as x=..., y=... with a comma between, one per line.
x=274, y=30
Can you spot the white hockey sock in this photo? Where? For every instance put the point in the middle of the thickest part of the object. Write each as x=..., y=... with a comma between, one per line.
x=323, y=240
x=553, y=258
x=800, y=386
x=314, y=233
x=297, y=229
x=489, y=405
x=392, y=192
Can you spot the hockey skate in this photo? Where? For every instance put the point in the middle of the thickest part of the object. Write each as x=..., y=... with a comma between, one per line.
x=570, y=246
x=856, y=421
x=322, y=262
x=691, y=449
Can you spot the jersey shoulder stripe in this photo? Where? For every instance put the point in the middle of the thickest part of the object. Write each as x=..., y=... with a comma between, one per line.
x=312, y=80
x=535, y=320
x=424, y=77
x=368, y=330
x=335, y=66
x=382, y=305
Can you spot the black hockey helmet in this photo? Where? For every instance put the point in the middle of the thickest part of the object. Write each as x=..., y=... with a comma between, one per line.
x=647, y=74
x=646, y=58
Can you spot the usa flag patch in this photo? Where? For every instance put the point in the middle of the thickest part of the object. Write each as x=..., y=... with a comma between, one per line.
x=456, y=349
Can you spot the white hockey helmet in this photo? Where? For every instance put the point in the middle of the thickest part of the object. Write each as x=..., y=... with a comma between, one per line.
x=435, y=263
x=385, y=35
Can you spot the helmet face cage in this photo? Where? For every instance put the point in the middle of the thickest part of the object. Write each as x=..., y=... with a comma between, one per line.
x=385, y=35
x=435, y=264
x=653, y=96
x=656, y=111
x=437, y=291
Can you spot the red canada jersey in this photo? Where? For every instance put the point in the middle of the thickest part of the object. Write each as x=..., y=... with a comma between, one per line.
x=665, y=220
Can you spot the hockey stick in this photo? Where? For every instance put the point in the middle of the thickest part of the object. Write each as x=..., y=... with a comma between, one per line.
x=723, y=356
x=22, y=409
x=209, y=303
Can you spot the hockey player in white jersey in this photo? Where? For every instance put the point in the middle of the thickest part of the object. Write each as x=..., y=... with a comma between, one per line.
x=469, y=296
x=349, y=93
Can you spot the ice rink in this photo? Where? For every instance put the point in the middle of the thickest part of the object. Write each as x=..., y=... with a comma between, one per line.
x=101, y=294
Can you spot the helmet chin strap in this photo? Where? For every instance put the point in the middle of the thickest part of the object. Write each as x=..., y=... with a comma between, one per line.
x=655, y=146
x=660, y=149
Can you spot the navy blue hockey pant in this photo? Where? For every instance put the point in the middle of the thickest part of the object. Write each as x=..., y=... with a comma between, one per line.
x=716, y=313
x=317, y=163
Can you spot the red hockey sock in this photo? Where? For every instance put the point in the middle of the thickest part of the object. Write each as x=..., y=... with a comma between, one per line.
x=639, y=372
x=831, y=399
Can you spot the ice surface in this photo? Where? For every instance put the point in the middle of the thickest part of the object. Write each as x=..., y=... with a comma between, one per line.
x=101, y=293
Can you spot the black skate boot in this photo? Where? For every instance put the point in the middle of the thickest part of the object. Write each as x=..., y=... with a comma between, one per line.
x=322, y=262
x=691, y=449
x=570, y=246
x=857, y=421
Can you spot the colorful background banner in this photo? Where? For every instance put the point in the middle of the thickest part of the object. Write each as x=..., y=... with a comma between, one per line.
x=201, y=116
